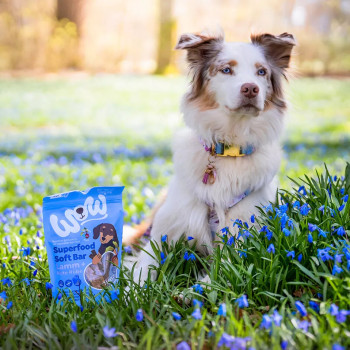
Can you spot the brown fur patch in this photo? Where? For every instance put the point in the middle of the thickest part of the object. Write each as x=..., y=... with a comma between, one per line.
x=206, y=100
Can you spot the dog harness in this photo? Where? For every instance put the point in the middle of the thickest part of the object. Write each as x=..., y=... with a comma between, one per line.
x=221, y=149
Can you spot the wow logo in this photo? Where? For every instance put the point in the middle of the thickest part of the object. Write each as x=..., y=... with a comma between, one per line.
x=74, y=218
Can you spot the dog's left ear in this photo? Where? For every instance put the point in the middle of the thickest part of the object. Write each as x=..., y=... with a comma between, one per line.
x=96, y=231
x=278, y=49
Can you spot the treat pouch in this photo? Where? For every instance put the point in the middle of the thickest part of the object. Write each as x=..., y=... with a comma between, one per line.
x=83, y=238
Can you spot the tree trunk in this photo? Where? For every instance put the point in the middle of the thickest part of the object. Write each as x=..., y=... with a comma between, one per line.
x=165, y=36
x=72, y=10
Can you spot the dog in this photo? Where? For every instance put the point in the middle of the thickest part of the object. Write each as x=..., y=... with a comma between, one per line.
x=227, y=157
x=109, y=239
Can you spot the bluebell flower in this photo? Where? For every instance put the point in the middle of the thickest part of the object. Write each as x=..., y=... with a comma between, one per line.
x=322, y=233
x=277, y=318
x=197, y=302
x=26, y=281
x=73, y=326
x=198, y=288
x=162, y=258
x=268, y=208
x=314, y=306
x=342, y=315
x=338, y=258
x=266, y=322
x=127, y=249
x=304, y=325
x=310, y=238
x=302, y=190
x=340, y=231
x=341, y=207
x=189, y=238
x=345, y=198
x=196, y=314
x=290, y=254
x=222, y=310
x=286, y=232
x=337, y=347
x=9, y=305
x=164, y=238
x=301, y=308
x=48, y=285
x=324, y=255
x=59, y=296
x=333, y=310
x=176, y=316
x=252, y=219
x=35, y=272
x=296, y=204
x=247, y=234
x=226, y=340
x=304, y=209
x=271, y=249
x=312, y=227
x=3, y=296
x=25, y=250
x=290, y=223
x=186, y=255
x=237, y=222
x=192, y=257
x=336, y=270
x=242, y=301
x=321, y=208
x=6, y=281
x=183, y=346
x=139, y=315
x=284, y=344
x=300, y=257
x=342, y=190
x=109, y=332
x=243, y=253
x=231, y=241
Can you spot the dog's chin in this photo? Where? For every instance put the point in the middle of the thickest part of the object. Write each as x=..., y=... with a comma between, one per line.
x=247, y=109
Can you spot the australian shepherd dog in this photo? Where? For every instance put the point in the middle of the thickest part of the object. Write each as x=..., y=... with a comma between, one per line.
x=227, y=157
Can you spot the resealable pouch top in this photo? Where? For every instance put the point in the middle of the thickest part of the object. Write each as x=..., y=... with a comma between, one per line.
x=83, y=238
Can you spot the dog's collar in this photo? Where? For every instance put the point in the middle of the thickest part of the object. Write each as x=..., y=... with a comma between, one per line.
x=222, y=149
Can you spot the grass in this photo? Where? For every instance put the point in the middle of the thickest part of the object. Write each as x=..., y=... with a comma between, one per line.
x=73, y=134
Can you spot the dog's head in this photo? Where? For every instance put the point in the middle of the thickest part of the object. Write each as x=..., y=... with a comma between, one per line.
x=239, y=79
x=106, y=233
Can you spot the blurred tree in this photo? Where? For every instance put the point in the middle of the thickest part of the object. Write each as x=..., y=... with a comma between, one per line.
x=73, y=10
x=167, y=30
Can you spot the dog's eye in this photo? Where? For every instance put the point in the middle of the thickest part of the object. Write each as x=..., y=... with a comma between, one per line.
x=226, y=70
x=261, y=71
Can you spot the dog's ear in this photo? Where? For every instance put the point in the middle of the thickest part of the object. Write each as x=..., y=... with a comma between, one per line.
x=96, y=231
x=278, y=49
x=201, y=51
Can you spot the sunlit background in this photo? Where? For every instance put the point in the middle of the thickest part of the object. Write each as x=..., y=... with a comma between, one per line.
x=90, y=89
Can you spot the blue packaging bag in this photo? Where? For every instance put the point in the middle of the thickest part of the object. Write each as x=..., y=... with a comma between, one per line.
x=83, y=238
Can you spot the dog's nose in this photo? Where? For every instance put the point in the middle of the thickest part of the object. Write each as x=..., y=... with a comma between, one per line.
x=249, y=90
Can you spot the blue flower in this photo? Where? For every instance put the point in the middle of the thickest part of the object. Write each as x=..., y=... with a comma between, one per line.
x=336, y=270
x=192, y=257
x=197, y=302
x=296, y=204
x=337, y=347
x=304, y=325
x=338, y=258
x=6, y=281
x=183, y=346
x=310, y=238
x=340, y=231
x=286, y=232
x=231, y=241
x=314, y=306
x=127, y=249
x=345, y=198
x=271, y=249
x=196, y=314
x=269, y=234
x=304, y=209
x=341, y=207
x=222, y=310
x=277, y=318
x=342, y=315
x=25, y=250
x=301, y=308
x=26, y=281
x=139, y=315
x=198, y=288
x=243, y=253
x=226, y=340
x=73, y=326
x=48, y=285
x=284, y=344
x=302, y=190
x=9, y=305
x=162, y=258
x=252, y=219
x=76, y=280
x=109, y=332
x=186, y=255
x=312, y=227
x=266, y=322
x=300, y=257
x=323, y=254
x=290, y=254
x=242, y=301
x=321, y=208
x=176, y=316
x=189, y=238
x=322, y=233
x=164, y=238
x=59, y=296
x=3, y=296
x=333, y=310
